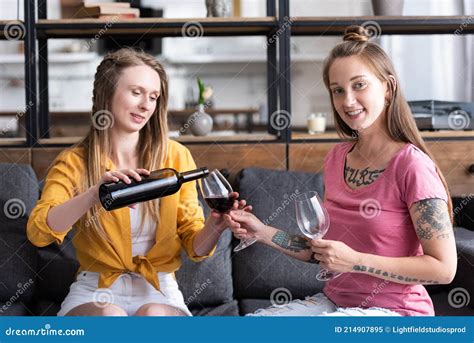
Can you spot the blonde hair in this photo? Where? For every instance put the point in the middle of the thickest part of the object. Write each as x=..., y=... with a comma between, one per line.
x=398, y=119
x=152, y=143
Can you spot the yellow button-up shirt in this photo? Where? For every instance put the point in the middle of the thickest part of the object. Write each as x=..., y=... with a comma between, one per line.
x=181, y=218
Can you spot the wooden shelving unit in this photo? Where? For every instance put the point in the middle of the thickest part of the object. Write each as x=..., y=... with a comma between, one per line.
x=427, y=135
x=12, y=29
x=161, y=27
x=405, y=25
x=275, y=26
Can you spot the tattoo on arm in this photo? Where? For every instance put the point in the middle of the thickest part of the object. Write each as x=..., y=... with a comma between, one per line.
x=432, y=219
x=293, y=243
x=391, y=276
x=361, y=177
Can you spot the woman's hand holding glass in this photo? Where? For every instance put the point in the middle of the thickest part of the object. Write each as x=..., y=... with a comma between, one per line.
x=219, y=196
x=313, y=221
x=220, y=221
x=250, y=226
x=335, y=256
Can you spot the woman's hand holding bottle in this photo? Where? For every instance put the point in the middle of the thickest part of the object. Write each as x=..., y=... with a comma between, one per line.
x=125, y=175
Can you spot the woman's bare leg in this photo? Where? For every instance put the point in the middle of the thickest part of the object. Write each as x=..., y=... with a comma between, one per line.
x=97, y=309
x=153, y=309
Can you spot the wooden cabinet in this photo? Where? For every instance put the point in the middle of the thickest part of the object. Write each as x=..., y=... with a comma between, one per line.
x=455, y=158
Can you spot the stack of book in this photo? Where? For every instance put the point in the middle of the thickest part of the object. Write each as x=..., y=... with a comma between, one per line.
x=109, y=10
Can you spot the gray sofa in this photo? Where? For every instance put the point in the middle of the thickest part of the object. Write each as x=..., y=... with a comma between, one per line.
x=34, y=281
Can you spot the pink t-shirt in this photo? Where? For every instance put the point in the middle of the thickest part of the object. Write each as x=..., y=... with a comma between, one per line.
x=375, y=219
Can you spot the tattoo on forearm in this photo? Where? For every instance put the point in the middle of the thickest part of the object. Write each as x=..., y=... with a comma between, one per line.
x=361, y=177
x=392, y=276
x=432, y=219
x=293, y=243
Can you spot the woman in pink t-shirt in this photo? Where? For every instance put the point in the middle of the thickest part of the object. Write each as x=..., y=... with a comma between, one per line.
x=391, y=224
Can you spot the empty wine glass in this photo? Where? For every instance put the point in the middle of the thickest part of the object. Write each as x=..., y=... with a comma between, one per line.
x=216, y=191
x=313, y=221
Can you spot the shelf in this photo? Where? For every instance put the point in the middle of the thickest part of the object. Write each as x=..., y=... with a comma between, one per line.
x=57, y=57
x=211, y=139
x=427, y=135
x=332, y=26
x=7, y=142
x=11, y=29
x=160, y=27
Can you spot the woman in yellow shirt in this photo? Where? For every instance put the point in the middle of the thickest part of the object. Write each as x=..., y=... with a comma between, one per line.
x=127, y=256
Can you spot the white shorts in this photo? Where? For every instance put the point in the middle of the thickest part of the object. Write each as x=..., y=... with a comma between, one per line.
x=320, y=305
x=130, y=291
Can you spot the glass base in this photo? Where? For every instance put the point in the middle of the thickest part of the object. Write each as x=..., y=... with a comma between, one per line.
x=326, y=275
x=244, y=243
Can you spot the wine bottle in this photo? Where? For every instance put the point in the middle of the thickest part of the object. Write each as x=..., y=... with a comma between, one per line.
x=158, y=184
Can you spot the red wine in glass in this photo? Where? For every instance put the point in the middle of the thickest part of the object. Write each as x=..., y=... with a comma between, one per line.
x=216, y=191
x=220, y=204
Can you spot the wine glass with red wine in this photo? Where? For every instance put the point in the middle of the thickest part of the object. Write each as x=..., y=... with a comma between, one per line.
x=216, y=191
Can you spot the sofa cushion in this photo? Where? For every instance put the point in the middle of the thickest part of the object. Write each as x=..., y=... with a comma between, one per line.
x=227, y=309
x=463, y=209
x=447, y=303
x=464, y=275
x=247, y=306
x=209, y=282
x=55, y=260
x=260, y=270
x=18, y=260
x=14, y=309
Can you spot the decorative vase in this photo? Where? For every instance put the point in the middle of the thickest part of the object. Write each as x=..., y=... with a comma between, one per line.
x=386, y=7
x=200, y=122
x=218, y=8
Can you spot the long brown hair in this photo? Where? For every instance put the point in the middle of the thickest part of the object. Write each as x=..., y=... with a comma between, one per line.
x=398, y=119
x=153, y=138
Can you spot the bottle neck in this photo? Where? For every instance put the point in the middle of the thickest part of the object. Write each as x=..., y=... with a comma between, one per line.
x=195, y=174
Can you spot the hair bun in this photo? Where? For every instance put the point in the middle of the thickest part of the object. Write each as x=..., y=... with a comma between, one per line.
x=356, y=33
